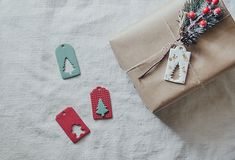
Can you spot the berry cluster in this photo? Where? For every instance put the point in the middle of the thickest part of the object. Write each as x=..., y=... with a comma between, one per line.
x=197, y=17
x=209, y=9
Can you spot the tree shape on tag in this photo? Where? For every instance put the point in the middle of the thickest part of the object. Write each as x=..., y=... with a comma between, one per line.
x=65, y=55
x=101, y=108
x=76, y=129
x=68, y=67
x=176, y=72
x=101, y=104
x=72, y=124
x=178, y=57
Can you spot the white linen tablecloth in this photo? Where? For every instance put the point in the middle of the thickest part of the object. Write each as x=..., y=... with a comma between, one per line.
x=199, y=127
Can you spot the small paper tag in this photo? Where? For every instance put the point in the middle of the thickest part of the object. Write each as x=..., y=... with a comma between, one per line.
x=67, y=60
x=178, y=57
x=101, y=104
x=68, y=119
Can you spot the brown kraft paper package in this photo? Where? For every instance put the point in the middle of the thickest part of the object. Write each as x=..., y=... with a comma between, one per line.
x=140, y=45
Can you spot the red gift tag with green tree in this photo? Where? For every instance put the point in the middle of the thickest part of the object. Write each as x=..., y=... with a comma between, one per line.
x=101, y=103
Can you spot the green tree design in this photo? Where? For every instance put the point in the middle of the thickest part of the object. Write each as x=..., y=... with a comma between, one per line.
x=101, y=108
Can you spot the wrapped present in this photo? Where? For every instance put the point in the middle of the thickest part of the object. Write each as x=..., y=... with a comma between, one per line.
x=142, y=49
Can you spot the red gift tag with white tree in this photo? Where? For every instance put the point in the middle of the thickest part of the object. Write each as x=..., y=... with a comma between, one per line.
x=72, y=124
x=101, y=103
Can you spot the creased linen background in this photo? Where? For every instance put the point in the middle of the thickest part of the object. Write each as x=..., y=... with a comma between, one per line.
x=200, y=126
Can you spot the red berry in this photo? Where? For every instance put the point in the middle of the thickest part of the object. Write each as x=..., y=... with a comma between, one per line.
x=203, y=23
x=206, y=10
x=208, y=1
x=217, y=10
x=191, y=15
x=215, y=2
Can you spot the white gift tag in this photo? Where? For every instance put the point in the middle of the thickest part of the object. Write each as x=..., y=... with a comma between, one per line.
x=177, y=57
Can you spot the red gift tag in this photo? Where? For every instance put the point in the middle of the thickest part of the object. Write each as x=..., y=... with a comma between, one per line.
x=101, y=104
x=69, y=121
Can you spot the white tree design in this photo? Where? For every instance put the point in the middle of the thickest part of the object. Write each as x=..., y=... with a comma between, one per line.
x=68, y=67
x=77, y=130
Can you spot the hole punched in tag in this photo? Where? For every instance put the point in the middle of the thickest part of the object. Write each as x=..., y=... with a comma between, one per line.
x=181, y=48
x=67, y=61
x=77, y=130
x=176, y=72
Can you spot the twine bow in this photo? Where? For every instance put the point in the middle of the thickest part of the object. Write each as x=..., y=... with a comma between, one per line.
x=152, y=63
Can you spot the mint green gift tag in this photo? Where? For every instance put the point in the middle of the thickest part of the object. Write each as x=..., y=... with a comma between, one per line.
x=67, y=61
